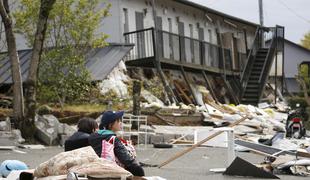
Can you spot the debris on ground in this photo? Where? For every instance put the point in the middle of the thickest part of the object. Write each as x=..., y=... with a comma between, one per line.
x=50, y=131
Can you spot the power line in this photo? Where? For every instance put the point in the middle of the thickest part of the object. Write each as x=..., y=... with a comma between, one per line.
x=214, y=2
x=294, y=12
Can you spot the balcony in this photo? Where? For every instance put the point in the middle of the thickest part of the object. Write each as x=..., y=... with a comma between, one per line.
x=174, y=50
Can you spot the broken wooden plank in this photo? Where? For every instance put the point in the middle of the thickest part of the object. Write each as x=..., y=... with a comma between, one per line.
x=7, y=147
x=182, y=93
x=188, y=84
x=165, y=120
x=200, y=143
x=209, y=85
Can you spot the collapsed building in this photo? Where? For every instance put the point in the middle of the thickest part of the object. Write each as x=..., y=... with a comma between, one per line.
x=184, y=44
x=187, y=44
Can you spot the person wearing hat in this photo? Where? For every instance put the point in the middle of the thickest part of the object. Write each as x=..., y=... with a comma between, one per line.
x=111, y=123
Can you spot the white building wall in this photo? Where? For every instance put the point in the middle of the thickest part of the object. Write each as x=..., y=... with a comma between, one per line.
x=114, y=24
x=173, y=10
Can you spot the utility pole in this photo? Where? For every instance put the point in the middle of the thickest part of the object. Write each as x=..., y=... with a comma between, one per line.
x=261, y=21
x=261, y=14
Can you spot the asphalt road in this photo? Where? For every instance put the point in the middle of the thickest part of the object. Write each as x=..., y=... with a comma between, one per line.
x=194, y=165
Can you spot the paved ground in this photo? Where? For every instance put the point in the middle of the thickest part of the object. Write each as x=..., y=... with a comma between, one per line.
x=194, y=165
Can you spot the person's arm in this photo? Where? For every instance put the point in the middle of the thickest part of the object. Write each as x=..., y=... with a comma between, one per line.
x=122, y=153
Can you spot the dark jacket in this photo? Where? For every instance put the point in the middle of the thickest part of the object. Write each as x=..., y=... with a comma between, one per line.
x=77, y=140
x=120, y=151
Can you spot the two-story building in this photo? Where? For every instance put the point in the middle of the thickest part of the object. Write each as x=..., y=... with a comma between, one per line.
x=197, y=44
x=189, y=44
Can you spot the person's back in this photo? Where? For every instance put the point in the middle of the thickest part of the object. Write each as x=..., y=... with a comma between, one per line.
x=79, y=139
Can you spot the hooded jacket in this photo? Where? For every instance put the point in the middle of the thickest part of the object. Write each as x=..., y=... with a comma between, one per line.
x=120, y=151
x=78, y=140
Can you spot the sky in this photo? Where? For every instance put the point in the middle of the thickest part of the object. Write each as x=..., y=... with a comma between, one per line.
x=294, y=15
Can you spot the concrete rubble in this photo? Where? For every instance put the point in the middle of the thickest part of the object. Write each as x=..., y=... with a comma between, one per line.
x=9, y=136
x=50, y=131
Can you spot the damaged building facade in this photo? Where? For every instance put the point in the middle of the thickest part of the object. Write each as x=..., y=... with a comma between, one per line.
x=186, y=46
x=189, y=45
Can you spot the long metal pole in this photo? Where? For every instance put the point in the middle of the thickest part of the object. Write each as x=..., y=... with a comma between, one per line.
x=261, y=14
x=261, y=20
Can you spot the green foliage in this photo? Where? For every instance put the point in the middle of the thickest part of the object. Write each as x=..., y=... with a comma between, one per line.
x=292, y=101
x=303, y=72
x=305, y=42
x=69, y=81
x=71, y=32
x=71, y=22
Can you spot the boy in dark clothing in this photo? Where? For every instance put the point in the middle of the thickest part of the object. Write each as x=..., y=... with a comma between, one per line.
x=79, y=139
x=110, y=123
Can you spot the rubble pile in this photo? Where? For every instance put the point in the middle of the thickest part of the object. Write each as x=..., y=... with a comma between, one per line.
x=50, y=131
x=8, y=135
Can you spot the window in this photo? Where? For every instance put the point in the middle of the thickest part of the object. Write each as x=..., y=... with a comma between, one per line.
x=210, y=35
x=126, y=25
x=191, y=30
x=170, y=24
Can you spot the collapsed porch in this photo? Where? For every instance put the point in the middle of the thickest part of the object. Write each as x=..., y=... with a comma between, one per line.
x=168, y=51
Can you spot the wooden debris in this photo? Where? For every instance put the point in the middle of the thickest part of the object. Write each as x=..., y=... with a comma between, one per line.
x=7, y=147
x=200, y=143
x=165, y=120
x=183, y=92
x=181, y=140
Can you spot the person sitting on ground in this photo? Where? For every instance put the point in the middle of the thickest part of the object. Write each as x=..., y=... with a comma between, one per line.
x=79, y=139
x=109, y=125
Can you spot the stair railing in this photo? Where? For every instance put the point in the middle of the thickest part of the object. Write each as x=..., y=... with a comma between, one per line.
x=250, y=61
x=272, y=50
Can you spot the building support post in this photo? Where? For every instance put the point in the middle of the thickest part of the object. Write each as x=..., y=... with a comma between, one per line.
x=156, y=61
x=136, y=93
x=209, y=85
x=188, y=84
x=276, y=68
x=283, y=56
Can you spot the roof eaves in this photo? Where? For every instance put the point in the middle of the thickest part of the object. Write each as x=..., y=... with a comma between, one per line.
x=204, y=8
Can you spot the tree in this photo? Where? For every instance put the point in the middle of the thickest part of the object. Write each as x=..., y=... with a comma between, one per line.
x=304, y=81
x=71, y=33
x=18, y=104
x=305, y=42
x=26, y=124
x=31, y=82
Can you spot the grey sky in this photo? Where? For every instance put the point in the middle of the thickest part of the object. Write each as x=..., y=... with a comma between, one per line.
x=293, y=14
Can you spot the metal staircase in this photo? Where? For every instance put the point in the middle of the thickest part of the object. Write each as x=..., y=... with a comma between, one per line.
x=260, y=60
x=251, y=94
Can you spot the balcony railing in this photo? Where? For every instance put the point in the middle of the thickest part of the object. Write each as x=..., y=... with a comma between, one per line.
x=178, y=48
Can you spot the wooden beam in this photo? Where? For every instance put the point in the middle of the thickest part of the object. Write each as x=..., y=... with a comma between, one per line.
x=181, y=92
x=188, y=84
x=209, y=85
x=231, y=92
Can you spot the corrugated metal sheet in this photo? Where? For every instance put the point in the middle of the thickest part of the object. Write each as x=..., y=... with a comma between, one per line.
x=100, y=62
